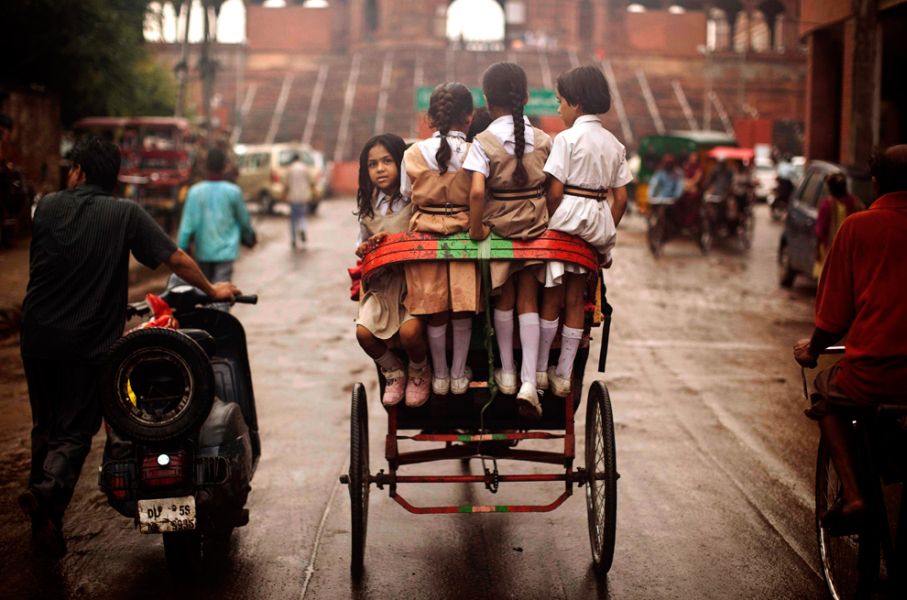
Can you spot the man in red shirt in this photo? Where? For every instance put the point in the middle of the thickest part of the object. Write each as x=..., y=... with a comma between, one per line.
x=861, y=295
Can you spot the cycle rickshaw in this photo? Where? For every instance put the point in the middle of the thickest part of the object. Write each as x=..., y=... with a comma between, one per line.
x=874, y=560
x=485, y=425
x=729, y=215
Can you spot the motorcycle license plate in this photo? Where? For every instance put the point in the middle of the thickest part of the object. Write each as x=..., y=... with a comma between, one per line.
x=164, y=515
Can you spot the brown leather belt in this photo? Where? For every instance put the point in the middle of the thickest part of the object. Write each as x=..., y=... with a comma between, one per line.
x=520, y=194
x=597, y=195
x=445, y=209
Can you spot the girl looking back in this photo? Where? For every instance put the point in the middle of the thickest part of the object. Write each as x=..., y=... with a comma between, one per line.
x=383, y=319
x=506, y=161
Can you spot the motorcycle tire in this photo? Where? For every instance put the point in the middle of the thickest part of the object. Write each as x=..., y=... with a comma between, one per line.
x=158, y=385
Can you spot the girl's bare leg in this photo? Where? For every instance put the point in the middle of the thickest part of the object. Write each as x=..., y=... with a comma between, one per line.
x=412, y=338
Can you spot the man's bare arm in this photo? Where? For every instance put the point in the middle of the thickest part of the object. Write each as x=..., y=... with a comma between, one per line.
x=618, y=204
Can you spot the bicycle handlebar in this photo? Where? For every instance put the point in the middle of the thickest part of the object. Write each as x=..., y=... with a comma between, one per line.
x=246, y=299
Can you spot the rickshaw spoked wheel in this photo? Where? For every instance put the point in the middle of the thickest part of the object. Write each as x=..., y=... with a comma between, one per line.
x=601, y=470
x=745, y=231
x=358, y=477
x=705, y=231
x=655, y=233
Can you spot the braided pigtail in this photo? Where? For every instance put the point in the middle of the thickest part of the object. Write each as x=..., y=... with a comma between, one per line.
x=520, y=176
x=440, y=113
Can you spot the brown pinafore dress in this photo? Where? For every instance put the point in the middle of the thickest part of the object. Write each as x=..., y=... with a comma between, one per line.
x=381, y=301
x=440, y=205
x=512, y=212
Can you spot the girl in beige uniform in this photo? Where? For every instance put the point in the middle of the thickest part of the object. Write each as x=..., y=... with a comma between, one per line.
x=443, y=290
x=507, y=197
x=383, y=318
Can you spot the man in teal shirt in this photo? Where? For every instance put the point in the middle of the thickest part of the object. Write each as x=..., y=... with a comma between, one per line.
x=215, y=217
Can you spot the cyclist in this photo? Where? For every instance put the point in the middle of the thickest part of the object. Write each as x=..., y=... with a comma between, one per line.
x=861, y=295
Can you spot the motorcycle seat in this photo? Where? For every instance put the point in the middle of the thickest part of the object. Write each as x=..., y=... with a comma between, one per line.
x=203, y=339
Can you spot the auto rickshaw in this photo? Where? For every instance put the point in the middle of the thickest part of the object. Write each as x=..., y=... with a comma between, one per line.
x=678, y=143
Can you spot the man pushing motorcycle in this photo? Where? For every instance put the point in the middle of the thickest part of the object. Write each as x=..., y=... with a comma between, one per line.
x=74, y=309
x=861, y=294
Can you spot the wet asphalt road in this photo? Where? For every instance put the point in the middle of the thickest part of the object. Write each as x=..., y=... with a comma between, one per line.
x=716, y=459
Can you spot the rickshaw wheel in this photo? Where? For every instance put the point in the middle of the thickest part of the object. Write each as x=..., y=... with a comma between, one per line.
x=705, y=232
x=745, y=231
x=359, y=477
x=601, y=469
x=655, y=233
x=839, y=556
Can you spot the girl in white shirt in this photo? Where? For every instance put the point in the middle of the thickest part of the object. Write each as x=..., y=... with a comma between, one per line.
x=587, y=167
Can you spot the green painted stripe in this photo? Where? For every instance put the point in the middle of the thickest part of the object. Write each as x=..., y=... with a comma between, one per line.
x=465, y=509
x=501, y=508
x=499, y=436
x=464, y=438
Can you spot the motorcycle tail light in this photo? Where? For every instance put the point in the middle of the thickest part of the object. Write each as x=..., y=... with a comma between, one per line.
x=275, y=177
x=118, y=479
x=158, y=471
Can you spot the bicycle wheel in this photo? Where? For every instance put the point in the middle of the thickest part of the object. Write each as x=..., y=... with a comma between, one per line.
x=745, y=231
x=840, y=556
x=359, y=477
x=655, y=232
x=601, y=469
x=706, y=238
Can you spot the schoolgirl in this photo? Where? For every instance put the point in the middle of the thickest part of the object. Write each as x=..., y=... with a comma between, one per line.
x=506, y=161
x=587, y=165
x=443, y=290
x=383, y=319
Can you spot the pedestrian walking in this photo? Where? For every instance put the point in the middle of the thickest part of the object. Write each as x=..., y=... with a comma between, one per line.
x=833, y=209
x=299, y=194
x=215, y=220
x=74, y=309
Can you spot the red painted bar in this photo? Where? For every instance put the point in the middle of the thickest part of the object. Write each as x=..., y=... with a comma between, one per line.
x=455, y=452
x=520, y=478
x=487, y=437
x=438, y=510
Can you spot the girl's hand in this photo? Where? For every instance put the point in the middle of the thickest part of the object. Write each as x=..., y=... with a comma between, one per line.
x=479, y=232
x=370, y=244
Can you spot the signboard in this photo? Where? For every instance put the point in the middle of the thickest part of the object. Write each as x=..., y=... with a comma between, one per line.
x=541, y=102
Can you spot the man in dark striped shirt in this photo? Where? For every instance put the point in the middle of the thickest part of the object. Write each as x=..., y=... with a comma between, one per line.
x=74, y=309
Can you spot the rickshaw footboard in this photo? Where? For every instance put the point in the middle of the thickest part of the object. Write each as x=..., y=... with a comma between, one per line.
x=473, y=509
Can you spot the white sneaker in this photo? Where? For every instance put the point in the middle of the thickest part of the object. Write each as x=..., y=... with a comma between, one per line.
x=440, y=385
x=541, y=380
x=527, y=401
x=505, y=381
x=560, y=386
x=459, y=385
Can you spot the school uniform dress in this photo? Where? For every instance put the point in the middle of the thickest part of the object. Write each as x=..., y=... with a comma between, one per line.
x=511, y=211
x=589, y=161
x=440, y=203
x=381, y=300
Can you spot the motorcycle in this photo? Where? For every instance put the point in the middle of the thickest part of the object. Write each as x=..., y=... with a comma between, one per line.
x=182, y=431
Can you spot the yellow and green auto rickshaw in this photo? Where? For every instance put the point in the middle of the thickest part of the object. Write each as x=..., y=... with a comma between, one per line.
x=677, y=143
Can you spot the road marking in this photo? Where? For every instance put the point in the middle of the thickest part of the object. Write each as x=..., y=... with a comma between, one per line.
x=695, y=345
x=310, y=569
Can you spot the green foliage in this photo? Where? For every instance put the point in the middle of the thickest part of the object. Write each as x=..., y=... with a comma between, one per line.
x=90, y=52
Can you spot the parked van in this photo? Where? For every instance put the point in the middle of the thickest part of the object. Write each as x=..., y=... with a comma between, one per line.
x=263, y=168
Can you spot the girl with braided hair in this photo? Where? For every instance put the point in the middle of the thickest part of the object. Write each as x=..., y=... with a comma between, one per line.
x=383, y=320
x=443, y=291
x=507, y=197
x=587, y=197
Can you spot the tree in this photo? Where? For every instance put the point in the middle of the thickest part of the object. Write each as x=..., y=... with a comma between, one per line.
x=89, y=52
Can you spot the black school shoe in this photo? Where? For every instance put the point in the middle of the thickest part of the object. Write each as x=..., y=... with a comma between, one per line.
x=46, y=531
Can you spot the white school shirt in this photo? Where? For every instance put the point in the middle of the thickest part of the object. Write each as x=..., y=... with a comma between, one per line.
x=502, y=128
x=429, y=147
x=382, y=206
x=585, y=155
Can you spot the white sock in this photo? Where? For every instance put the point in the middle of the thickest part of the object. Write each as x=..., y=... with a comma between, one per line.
x=570, y=338
x=529, y=340
x=503, y=332
x=389, y=361
x=462, y=332
x=547, y=333
x=437, y=343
